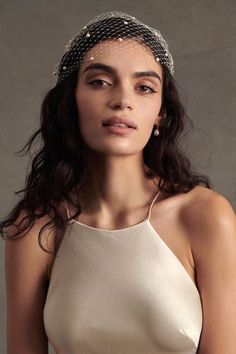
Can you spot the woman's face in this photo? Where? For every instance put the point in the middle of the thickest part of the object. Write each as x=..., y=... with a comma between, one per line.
x=118, y=80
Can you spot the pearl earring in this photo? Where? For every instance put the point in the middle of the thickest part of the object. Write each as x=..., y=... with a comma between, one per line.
x=156, y=132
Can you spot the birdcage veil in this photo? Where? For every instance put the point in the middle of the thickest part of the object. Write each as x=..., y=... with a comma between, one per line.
x=107, y=28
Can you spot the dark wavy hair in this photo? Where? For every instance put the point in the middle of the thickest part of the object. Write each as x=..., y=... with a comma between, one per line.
x=58, y=166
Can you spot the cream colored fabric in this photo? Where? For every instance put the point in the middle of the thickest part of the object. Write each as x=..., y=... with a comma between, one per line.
x=120, y=292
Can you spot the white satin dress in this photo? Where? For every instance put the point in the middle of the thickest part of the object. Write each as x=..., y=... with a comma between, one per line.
x=120, y=292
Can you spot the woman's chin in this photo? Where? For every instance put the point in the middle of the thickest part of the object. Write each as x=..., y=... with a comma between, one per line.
x=116, y=149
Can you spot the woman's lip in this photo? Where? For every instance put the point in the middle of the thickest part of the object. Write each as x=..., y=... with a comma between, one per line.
x=117, y=124
x=119, y=120
x=118, y=130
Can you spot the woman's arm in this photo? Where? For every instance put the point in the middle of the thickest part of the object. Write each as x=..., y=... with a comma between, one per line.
x=26, y=266
x=214, y=250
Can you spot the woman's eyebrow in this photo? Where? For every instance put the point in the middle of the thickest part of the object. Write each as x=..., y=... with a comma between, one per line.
x=100, y=66
x=147, y=73
x=110, y=70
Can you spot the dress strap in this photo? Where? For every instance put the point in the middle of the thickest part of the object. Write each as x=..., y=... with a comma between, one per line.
x=67, y=210
x=70, y=221
x=149, y=212
x=150, y=208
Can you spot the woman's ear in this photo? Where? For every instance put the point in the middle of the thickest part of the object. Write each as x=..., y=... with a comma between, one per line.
x=161, y=116
x=158, y=120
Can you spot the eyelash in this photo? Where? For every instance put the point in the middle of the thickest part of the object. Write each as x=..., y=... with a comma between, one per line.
x=97, y=83
x=149, y=87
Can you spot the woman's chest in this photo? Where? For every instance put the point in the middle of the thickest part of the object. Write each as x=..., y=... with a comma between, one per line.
x=121, y=291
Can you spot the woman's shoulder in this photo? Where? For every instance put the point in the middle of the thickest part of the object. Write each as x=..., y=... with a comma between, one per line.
x=29, y=246
x=205, y=204
x=207, y=216
x=211, y=227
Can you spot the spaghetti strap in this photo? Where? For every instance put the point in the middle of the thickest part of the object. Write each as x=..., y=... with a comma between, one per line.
x=150, y=208
x=149, y=212
x=67, y=210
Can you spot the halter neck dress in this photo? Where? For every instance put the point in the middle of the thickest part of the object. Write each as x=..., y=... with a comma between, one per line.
x=120, y=292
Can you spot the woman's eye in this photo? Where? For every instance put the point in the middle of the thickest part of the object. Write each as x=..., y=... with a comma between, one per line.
x=146, y=89
x=98, y=83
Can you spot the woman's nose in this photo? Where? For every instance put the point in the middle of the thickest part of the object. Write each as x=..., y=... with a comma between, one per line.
x=120, y=99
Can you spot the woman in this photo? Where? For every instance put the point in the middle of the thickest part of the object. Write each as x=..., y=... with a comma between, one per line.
x=140, y=251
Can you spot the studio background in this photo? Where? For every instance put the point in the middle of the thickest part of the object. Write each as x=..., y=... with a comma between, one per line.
x=202, y=39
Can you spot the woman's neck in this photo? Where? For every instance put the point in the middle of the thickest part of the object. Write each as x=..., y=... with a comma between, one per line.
x=116, y=184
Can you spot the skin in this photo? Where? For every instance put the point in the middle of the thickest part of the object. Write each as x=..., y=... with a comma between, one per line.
x=199, y=226
x=117, y=93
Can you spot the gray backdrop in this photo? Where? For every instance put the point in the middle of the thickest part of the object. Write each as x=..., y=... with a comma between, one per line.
x=201, y=36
